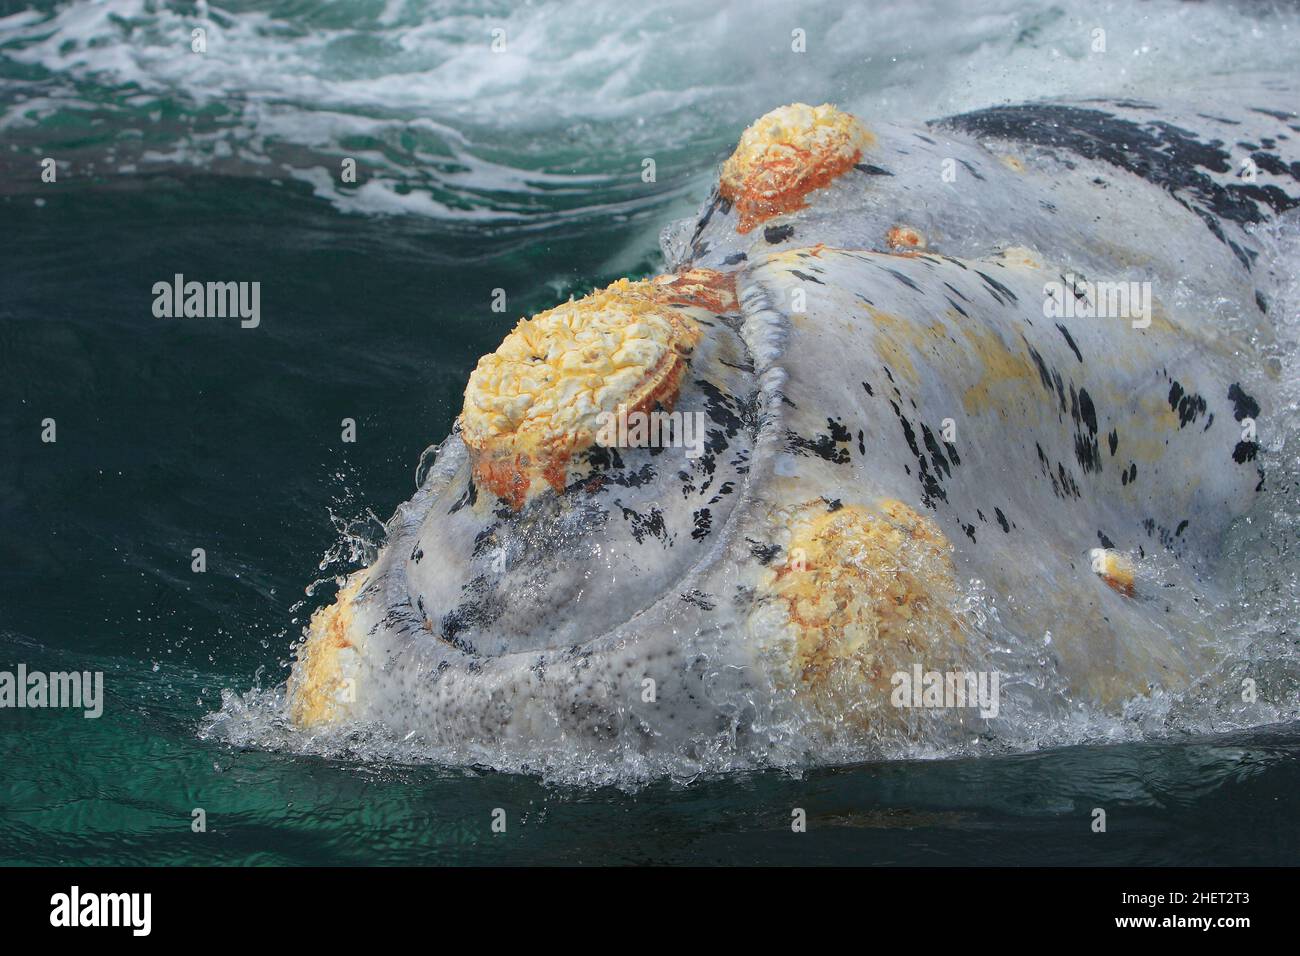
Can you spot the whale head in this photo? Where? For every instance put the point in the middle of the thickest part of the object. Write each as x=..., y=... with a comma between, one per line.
x=839, y=448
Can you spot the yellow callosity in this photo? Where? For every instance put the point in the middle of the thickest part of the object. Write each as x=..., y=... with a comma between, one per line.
x=1116, y=570
x=906, y=239
x=785, y=155
x=317, y=687
x=540, y=397
x=864, y=593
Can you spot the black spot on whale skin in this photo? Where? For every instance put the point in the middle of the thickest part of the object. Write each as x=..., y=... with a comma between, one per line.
x=487, y=538
x=1275, y=166
x=731, y=413
x=698, y=599
x=645, y=525
x=1044, y=375
x=903, y=279
x=1245, y=451
x=1086, y=410
x=970, y=532
x=738, y=366
x=936, y=454
x=621, y=477
x=1087, y=453
x=1105, y=541
x=838, y=432
x=867, y=386
x=1060, y=389
x=1188, y=406
x=1069, y=340
x=822, y=446
x=1001, y=293
x=417, y=553
x=734, y=258
x=727, y=488
x=1182, y=526
x=1113, y=439
x=1261, y=302
x=468, y=498
x=1087, y=450
x=931, y=489
x=971, y=169
x=764, y=553
x=805, y=277
x=703, y=519
x=871, y=170
x=1068, y=484
x=1045, y=466
x=775, y=234
x=715, y=202
x=604, y=458
x=1163, y=154
x=1275, y=114
x=1243, y=406
x=483, y=609
x=1002, y=520
x=957, y=307
x=832, y=504
x=908, y=433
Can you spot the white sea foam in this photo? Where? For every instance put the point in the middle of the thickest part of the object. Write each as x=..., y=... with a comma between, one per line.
x=558, y=122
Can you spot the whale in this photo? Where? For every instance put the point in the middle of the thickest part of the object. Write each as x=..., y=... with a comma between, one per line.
x=978, y=398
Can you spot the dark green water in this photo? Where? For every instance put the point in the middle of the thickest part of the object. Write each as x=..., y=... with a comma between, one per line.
x=175, y=435
x=201, y=434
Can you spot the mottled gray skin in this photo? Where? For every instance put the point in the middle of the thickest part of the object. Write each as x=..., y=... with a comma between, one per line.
x=535, y=631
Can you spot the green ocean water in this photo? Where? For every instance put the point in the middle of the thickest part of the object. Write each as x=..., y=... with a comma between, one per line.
x=376, y=304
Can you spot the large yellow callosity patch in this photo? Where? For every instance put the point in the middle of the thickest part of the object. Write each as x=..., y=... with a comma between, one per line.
x=785, y=155
x=864, y=592
x=536, y=401
x=318, y=689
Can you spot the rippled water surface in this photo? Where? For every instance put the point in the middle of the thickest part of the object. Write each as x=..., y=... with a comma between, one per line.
x=480, y=170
